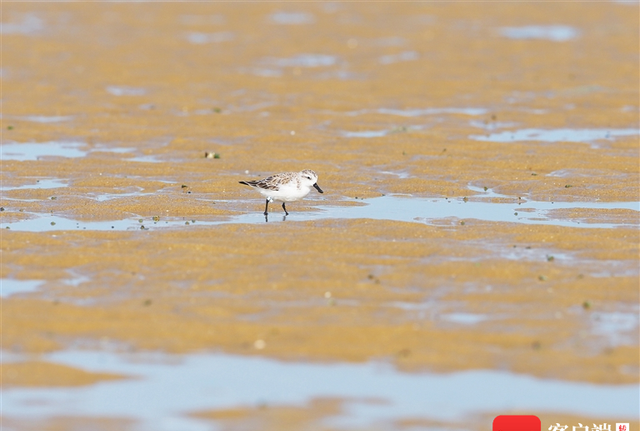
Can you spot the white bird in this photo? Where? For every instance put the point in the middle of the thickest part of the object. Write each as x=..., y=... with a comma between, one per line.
x=285, y=187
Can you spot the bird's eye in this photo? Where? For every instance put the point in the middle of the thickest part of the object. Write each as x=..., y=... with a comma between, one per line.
x=308, y=178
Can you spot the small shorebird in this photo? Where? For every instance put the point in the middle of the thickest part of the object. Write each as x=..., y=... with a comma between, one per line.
x=285, y=187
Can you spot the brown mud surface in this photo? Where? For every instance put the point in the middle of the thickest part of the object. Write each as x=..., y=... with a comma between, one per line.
x=144, y=90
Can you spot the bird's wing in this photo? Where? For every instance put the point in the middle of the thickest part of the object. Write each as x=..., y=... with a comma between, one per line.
x=267, y=184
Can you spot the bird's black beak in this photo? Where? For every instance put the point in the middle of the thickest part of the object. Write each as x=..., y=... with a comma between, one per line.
x=318, y=188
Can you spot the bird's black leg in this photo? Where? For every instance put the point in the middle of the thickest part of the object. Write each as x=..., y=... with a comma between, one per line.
x=266, y=208
x=285, y=209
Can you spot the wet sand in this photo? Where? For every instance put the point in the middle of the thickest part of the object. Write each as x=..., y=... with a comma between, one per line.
x=380, y=100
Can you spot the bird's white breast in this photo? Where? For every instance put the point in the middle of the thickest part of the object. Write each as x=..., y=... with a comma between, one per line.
x=286, y=193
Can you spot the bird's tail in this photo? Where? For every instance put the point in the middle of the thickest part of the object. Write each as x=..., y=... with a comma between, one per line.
x=245, y=183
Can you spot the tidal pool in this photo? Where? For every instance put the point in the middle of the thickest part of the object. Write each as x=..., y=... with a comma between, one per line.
x=555, y=33
x=47, y=118
x=432, y=211
x=165, y=389
x=34, y=151
x=419, y=112
x=42, y=183
x=590, y=136
x=29, y=151
x=292, y=18
x=9, y=286
x=123, y=90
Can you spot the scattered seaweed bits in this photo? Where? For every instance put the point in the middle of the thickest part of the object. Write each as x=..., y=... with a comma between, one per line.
x=550, y=258
x=211, y=155
x=373, y=278
x=466, y=199
x=147, y=303
x=462, y=223
x=187, y=223
x=143, y=228
x=140, y=220
x=486, y=188
x=586, y=305
x=1, y=209
x=542, y=278
x=53, y=198
x=536, y=345
x=217, y=110
x=9, y=127
x=567, y=186
x=404, y=353
x=534, y=174
x=53, y=223
x=156, y=218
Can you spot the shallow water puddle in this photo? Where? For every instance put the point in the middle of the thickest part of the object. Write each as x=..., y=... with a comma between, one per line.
x=204, y=38
x=57, y=223
x=435, y=211
x=618, y=327
x=303, y=60
x=123, y=90
x=292, y=18
x=47, y=118
x=9, y=286
x=380, y=133
x=590, y=136
x=397, y=58
x=419, y=112
x=30, y=24
x=408, y=209
x=70, y=149
x=165, y=389
x=44, y=183
x=136, y=191
x=366, y=134
x=34, y=151
x=556, y=33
